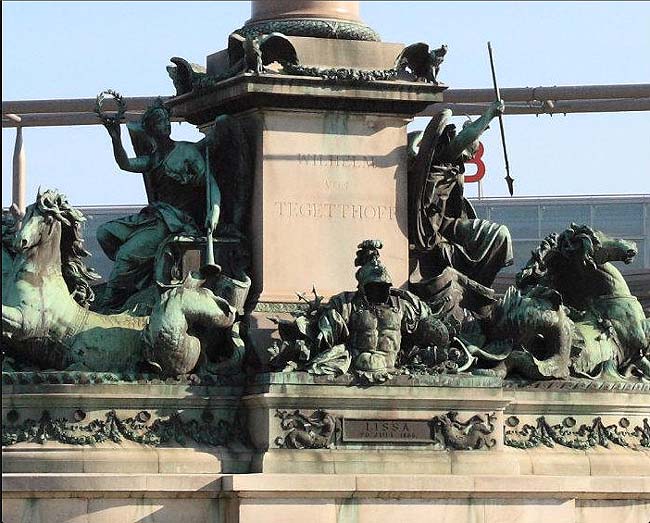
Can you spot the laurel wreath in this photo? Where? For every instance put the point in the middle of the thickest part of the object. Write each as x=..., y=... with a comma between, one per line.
x=119, y=100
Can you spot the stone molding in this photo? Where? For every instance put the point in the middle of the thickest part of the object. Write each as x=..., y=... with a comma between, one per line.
x=336, y=29
x=424, y=486
x=141, y=428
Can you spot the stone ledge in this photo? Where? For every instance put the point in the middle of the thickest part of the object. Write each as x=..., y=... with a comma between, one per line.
x=559, y=462
x=248, y=91
x=291, y=486
x=116, y=460
x=73, y=485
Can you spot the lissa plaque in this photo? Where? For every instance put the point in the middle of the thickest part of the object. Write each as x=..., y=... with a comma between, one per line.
x=386, y=431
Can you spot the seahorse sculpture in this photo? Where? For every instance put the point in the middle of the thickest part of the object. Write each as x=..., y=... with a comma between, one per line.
x=47, y=293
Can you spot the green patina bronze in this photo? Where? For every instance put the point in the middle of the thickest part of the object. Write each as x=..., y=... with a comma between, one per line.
x=570, y=314
x=250, y=52
x=47, y=322
x=376, y=332
x=444, y=230
x=312, y=27
x=183, y=181
x=142, y=428
x=568, y=434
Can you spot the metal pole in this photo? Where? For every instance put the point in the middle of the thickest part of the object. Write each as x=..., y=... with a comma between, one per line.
x=508, y=94
x=19, y=168
x=548, y=107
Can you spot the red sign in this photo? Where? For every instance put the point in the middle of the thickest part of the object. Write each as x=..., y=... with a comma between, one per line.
x=480, y=166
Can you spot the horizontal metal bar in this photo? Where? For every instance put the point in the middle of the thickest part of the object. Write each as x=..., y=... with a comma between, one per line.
x=568, y=92
x=66, y=119
x=559, y=107
x=568, y=107
x=512, y=94
x=74, y=105
x=583, y=93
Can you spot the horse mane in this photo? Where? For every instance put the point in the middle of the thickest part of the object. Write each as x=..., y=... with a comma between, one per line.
x=575, y=242
x=579, y=241
x=536, y=270
x=9, y=229
x=76, y=273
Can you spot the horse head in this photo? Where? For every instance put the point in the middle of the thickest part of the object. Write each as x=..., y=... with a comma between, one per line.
x=54, y=226
x=614, y=249
x=37, y=226
x=592, y=248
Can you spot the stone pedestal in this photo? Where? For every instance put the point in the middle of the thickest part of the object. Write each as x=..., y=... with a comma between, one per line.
x=330, y=172
x=282, y=498
x=113, y=428
x=379, y=430
x=327, y=181
x=559, y=453
x=330, y=164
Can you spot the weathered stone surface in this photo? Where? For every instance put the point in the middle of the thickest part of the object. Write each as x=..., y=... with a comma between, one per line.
x=247, y=91
x=324, y=52
x=331, y=179
x=122, y=427
x=324, y=498
x=295, y=421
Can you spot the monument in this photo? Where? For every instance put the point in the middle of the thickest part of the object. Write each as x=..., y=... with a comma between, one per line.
x=300, y=324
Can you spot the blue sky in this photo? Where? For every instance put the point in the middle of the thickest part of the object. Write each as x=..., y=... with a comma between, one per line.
x=77, y=49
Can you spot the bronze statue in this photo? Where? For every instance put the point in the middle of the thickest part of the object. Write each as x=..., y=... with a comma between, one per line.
x=422, y=63
x=184, y=196
x=570, y=314
x=364, y=330
x=251, y=54
x=46, y=321
x=444, y=230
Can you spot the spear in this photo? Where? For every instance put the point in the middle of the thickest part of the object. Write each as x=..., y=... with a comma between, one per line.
x=509, y=179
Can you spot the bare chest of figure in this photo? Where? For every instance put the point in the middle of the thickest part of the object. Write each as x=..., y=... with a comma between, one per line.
x=376, y=328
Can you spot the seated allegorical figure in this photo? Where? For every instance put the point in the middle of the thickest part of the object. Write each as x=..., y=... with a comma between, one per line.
x=184, y=197
x=444, y=230
x=175, y=177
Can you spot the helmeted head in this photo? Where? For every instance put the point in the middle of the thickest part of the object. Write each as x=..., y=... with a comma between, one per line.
x=374, y=280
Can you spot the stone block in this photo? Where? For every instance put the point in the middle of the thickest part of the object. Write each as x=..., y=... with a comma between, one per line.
x=612, y=510
x=327, y=53
x=152, y=510
x=287, y=511
x=558, y=462
x=438, y=510
x=475, y=463
x=188, y=461
x=34, y=510
x=325, y=181
x=524, y=511
x=617, y=461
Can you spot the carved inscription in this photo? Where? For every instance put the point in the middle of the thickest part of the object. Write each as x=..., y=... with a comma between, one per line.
x=334, y=185
x=330, y=211
x=386, y=431
x=338, y=160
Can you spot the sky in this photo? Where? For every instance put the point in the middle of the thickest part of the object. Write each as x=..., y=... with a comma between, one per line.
x=77, y=49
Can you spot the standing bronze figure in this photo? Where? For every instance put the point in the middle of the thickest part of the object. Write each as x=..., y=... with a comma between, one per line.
x=444, y=229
